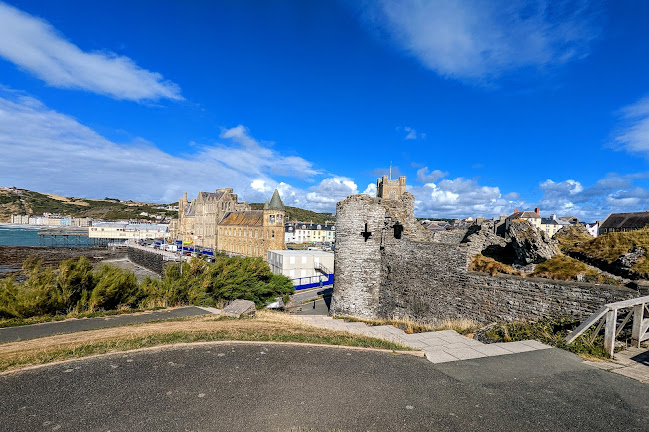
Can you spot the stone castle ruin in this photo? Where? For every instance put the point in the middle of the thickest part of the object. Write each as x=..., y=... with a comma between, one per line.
x=388, y=266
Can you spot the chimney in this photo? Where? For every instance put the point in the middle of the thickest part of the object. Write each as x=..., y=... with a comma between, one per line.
x=536, y=210
x=515, y=210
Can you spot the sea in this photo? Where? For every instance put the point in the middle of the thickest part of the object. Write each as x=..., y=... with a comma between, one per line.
x=25, y=235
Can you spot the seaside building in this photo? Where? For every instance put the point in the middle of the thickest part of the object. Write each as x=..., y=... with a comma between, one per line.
x=128, y=231
x=217, y=220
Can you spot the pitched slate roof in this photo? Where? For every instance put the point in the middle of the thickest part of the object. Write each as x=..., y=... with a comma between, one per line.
x=525, y=215
x=549, y=221
x=212, y=195
x=635, y=220
x=247, y=218
x=276, y=202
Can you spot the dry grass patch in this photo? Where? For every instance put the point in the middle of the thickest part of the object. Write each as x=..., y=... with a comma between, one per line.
x=485, y=264
x=611, y=246
x=562, y=267
x=267, y=326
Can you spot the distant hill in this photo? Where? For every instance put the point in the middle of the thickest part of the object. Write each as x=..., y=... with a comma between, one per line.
x=302, y=215
x=34, y=203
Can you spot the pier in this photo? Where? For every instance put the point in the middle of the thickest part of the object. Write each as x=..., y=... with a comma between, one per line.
x=69, y=238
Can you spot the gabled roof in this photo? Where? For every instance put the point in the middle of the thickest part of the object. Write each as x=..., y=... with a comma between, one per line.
x=635, y=220
x=524, y=215
x=211, y=195
x=549, y=221
x=247, y=218
x=276, y=202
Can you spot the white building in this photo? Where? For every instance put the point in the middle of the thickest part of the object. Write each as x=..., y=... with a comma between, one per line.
x=302, y=266
x=128, y=231
x=303, y=232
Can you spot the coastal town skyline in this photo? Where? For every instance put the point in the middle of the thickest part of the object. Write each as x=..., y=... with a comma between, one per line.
x=533, y=105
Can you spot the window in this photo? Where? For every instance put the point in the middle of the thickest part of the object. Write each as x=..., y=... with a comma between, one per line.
x=304, y=260
x=291, y=260
x=291, y=273
x=272, y=234
x=303, y=273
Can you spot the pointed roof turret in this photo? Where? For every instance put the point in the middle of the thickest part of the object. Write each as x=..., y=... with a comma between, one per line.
x=266, y=204
x=276, y=202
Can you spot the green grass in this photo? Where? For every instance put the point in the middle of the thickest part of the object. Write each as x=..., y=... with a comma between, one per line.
x=551, y=331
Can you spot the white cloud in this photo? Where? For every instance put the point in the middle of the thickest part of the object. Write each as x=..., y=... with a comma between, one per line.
x=459, y=198
x=256, y=158
x=411, y=134
x=370, y=190
x=481, y=39
x=633, y=135
x=329, y=191
x=47, y=151
x=35, y=46
x=428, y=177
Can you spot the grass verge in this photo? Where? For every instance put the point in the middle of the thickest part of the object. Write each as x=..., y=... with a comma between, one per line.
x=551, y=331
x=267, y=326
x=15, y=322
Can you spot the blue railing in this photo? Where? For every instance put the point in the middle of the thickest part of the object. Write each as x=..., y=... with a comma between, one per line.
x=312, y=282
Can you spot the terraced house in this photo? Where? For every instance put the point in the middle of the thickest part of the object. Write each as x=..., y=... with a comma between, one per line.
x=219, y=221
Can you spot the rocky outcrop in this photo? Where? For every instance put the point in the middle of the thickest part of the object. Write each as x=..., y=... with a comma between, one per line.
x=531, y=246
x=481, y=239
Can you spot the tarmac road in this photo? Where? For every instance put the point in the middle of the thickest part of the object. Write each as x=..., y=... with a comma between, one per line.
x=260, y=387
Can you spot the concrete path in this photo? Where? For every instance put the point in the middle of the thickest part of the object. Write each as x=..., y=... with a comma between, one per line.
x=277, y=387
x=440, y=346
x=632, y=362
x=12, y=334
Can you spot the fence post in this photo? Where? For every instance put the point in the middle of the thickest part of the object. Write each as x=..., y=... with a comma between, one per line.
x=609, y=332
x=638, y=317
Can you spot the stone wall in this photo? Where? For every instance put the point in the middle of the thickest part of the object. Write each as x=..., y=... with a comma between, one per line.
x=149, y=260
x=391, y=270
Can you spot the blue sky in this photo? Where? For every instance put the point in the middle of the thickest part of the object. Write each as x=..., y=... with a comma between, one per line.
x=484, y=106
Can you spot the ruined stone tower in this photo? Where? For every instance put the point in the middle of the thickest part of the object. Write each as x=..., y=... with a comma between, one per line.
x=390, y=189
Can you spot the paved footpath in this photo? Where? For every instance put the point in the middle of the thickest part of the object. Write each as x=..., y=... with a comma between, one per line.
x=12, y=334
x=440, y=346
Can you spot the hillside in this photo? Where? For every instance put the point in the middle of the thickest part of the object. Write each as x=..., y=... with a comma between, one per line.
x=302, y=215
x=35, y=203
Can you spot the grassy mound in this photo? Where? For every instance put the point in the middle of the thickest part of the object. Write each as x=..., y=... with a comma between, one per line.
x=609, y=247
x=561, y=267
x=571, y=236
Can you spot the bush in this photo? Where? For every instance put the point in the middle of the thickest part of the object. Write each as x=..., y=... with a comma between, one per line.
x=75, y=287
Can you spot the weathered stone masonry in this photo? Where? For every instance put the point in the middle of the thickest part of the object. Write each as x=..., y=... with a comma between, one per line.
x=149, y=260
x=394, y=269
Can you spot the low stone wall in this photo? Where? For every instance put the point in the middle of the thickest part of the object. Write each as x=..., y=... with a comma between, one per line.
x=149, y=260
x=429, y=282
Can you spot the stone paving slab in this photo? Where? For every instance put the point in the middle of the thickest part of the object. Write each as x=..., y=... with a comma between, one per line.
x=440, y=346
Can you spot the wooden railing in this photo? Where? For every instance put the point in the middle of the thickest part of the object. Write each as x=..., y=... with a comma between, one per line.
x=612, y=330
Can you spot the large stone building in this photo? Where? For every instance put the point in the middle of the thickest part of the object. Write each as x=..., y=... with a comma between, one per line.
x=219, y=221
